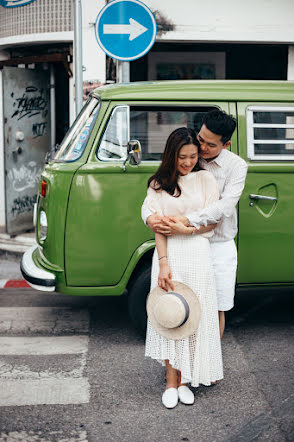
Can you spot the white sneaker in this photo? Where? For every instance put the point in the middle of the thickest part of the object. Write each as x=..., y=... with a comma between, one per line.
x=186, y=396
x=170, y=397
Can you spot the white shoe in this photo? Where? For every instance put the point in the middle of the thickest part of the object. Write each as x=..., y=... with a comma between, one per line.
x=170, y=397
x=186, y=396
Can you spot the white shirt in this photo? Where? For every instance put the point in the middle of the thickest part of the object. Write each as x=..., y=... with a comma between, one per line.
x=230, y=172
x=198, y=190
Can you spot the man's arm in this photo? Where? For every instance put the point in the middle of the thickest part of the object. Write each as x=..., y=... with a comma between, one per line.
x=225, y=206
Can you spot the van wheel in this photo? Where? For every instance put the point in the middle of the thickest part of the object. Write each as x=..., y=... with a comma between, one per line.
x=137, y=294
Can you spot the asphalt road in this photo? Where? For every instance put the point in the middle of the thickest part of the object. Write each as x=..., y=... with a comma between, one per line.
x=73, y=369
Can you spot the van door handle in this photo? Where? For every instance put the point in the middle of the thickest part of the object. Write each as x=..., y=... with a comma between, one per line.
x=252, y=196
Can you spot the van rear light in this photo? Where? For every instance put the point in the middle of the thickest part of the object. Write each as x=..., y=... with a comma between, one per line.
x=43, y=188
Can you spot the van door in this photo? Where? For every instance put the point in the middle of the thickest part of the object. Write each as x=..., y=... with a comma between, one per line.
x=266, y=208
x=104, y=227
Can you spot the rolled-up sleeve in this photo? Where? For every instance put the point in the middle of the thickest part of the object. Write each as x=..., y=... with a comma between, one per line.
x=225, y=206
x=145, y=211
x=151, y=204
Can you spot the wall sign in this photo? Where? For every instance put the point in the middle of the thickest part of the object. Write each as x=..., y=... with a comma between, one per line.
x=125, y=29
x=14, y=3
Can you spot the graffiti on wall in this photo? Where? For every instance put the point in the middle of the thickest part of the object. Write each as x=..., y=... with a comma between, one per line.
x=26, y=177
x=23, y=204
x=32, y=102
x=39, y=129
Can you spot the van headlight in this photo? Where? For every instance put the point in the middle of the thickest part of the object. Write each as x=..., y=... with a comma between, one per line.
x=43, y=226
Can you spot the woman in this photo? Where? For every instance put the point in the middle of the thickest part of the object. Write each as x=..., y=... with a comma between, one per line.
x=177, y=188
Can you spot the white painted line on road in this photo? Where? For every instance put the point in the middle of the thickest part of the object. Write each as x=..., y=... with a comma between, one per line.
x=48, y=345
x=44, y=392
x=46, y=436
x=39, y=436
x=40, y=319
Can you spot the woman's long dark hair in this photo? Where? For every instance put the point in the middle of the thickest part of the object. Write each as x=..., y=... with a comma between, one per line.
x=166, y=177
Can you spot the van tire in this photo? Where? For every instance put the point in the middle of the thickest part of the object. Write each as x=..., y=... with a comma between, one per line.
x=137, y=295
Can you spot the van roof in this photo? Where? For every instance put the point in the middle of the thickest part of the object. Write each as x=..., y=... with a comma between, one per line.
x=190, y=90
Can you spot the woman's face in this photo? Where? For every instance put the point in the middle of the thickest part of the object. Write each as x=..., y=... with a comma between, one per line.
x=187, y=159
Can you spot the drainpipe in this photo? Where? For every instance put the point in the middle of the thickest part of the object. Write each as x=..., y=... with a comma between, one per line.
x=78, y=55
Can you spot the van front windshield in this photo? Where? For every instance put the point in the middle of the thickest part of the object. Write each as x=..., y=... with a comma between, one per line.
x=75, y=140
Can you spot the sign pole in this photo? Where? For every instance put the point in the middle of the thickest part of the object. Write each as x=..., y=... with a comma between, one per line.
x=78, y=54
x=122, y=71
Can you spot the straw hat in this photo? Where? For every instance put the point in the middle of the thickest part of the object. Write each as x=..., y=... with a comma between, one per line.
x=174, y=314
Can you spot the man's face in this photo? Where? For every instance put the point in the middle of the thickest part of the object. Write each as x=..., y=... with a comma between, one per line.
x=210, y=144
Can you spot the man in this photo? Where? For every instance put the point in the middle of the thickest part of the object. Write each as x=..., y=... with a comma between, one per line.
x=230, y=172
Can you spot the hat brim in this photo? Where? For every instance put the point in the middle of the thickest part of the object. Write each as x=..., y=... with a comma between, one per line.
x=192, y=323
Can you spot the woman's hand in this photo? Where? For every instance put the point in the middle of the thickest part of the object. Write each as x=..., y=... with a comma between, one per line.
x=175, y=226
x=154, y=222
x=165, y=276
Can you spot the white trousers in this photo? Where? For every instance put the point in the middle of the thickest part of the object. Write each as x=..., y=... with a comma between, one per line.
x=224, y=260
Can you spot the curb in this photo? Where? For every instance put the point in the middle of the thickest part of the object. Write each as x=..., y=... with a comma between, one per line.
x=13, y=283
x=16, y=245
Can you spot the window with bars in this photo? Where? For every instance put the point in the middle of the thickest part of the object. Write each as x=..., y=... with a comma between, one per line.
x=270, y=132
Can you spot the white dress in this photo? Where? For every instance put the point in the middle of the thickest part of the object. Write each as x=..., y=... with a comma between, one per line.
x=199, y=356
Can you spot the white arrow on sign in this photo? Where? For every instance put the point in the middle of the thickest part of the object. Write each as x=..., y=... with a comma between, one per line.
x=134, y=29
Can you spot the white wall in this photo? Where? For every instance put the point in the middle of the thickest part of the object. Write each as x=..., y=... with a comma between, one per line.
x=93, y=56
x=228, y=20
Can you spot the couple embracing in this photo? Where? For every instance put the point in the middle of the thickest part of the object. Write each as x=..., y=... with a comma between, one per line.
x=191, y=206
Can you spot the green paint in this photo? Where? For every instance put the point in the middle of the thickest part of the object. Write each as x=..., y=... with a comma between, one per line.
x=95, y=233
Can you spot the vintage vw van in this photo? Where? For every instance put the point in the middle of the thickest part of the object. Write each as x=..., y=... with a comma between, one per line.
x=90, y=236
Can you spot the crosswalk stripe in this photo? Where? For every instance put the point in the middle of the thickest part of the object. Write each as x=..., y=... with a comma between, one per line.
x=24, y=379
x=43, y=345
x=44, y=392
x=39, y=436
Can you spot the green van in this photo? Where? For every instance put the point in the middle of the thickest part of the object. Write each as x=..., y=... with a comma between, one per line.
x=90, y=236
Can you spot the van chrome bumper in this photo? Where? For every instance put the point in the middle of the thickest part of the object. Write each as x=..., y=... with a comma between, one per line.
x=39, y=279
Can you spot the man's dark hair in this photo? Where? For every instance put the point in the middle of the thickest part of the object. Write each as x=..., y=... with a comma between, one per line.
x=220, y=123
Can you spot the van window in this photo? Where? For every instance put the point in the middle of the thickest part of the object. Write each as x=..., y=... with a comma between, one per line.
x=75, y=141
x=150, y=125
x=270, y=133
x=116, y=136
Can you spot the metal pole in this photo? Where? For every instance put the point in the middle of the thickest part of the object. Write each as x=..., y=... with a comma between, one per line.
x=52, y=107
x=78, y=55
x=122, y=71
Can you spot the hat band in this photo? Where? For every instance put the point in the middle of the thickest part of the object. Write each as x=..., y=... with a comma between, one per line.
x=186, y=305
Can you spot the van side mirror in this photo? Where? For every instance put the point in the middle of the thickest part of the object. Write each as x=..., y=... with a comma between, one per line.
x=134, y=153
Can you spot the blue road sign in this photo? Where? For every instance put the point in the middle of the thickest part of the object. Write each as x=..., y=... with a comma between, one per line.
x=14, y=3
x=125, y=29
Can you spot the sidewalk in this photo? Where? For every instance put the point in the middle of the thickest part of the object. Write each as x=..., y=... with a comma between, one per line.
x=17, y=244
x=11, y=251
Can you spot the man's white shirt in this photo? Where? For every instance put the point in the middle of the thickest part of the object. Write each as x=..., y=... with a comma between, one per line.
x=230, y=172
